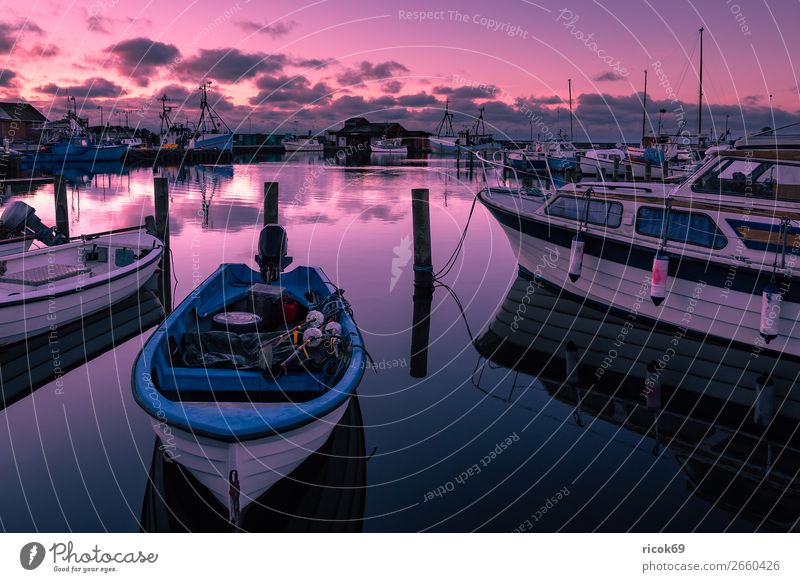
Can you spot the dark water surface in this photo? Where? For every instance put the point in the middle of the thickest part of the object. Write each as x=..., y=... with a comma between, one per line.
x=473, y=446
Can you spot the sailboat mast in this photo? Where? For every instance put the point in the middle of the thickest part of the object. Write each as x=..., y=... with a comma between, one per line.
x=700, y=100
x=644, y=107
x=569, y=83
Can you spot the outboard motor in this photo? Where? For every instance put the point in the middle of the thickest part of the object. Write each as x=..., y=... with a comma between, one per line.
x=19, y=219
x=271, y=257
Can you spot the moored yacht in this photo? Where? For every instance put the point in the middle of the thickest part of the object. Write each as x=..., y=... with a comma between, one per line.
x=714, y=256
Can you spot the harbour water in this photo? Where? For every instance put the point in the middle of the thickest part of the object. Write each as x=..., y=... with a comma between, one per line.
x=474, y=445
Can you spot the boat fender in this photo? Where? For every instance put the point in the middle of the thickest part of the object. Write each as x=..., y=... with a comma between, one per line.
x=315, y=318
x=312, y=337
x=333, y=328
x=770, y=312
x=658, y=287
x=576, y=251
x=764, y=404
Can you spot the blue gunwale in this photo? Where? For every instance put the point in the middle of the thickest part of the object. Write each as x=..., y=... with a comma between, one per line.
x=241, y=420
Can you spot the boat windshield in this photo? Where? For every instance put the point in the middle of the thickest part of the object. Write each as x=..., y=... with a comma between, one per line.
x=751, y=177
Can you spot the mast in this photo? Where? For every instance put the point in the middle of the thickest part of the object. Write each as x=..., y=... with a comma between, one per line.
x=445, y=127
x=569, y=83
x=700, y=101
x=644, y=108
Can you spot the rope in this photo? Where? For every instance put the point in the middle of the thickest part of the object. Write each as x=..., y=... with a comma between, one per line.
x=452, y=260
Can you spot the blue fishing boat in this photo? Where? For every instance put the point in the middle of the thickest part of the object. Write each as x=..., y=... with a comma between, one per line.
x=251, y=373
x=76, y=149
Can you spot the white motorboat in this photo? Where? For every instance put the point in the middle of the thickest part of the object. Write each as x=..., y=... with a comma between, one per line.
x=389, y=146
x=299, y=144
x=42, y=289
x=716, y=255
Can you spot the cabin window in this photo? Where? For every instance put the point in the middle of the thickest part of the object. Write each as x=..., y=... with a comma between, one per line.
x=751, y=177
x=600, y=212
x=684, y=227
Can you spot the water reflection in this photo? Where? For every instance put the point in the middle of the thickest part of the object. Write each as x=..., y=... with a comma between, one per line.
x=35, y=361
x=324, y=494
x=701, y=404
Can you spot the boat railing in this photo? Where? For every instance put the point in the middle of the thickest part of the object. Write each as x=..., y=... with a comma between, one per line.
x=500, y=165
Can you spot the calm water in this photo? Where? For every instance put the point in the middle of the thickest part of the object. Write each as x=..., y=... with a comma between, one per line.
x=77, y=454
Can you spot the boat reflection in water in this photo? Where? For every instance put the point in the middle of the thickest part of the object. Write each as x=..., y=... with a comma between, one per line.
x=324, y=494
x=685, y=396
x=29, y=364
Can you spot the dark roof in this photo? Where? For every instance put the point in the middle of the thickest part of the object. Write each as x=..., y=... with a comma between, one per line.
x=20, y=112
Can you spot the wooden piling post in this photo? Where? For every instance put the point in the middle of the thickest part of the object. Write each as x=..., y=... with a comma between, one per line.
x=270, y=203
x=161, y=203
x=421, y=218
x=616, y=169
x=664, y=169
x=423, y=282
x=578, y=170
x=648, y=171
x=62, y=208
x=629, y=172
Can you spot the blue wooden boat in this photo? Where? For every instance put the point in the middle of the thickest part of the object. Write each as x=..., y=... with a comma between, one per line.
x=250, y=374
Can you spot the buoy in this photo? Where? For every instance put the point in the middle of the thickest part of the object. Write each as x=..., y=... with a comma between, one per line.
x=652, y=386
x=658, y=287
x=312, y=336
x=571, y=361
x=770, y=312
x=576, y=257
x=314, y=318
x=764, y=404
x=333, y=328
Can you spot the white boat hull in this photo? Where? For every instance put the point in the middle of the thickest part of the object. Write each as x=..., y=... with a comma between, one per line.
x=259, y=463
x=443, y=145
x=303, y=147
x=48, y=306
x=724, y=313
x=213, y=141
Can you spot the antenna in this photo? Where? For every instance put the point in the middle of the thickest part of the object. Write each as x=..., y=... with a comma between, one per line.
x=569, y=83
x=700, y=101
x=644, y=108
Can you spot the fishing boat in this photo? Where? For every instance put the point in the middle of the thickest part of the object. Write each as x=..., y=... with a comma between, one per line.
x=211, y=133
x=44, y=288
x=389, y=146
x=446, y=141
x=477, y=139
x=300, y=144
x=716, y=254
x=249, y=375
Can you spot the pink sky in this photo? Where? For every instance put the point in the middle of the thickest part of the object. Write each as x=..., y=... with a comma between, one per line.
x=388, y=64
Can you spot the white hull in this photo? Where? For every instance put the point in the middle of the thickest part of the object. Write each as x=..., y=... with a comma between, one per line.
x=443, y=145
x=594, y=167
x=708, y=310
x=260, y=463
x=213, y=141
x=305, y=145
x=59, y=302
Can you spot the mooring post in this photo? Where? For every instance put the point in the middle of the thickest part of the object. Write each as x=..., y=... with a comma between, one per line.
x=648, y=171
x=62, y=208
x=616, y=168
x=578, y=170
x=629, y=172
x=423, y=282
x=664, y=169
x=270, y=203
x=161, y=202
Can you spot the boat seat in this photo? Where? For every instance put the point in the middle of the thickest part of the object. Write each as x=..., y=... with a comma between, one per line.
x=38, y=276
